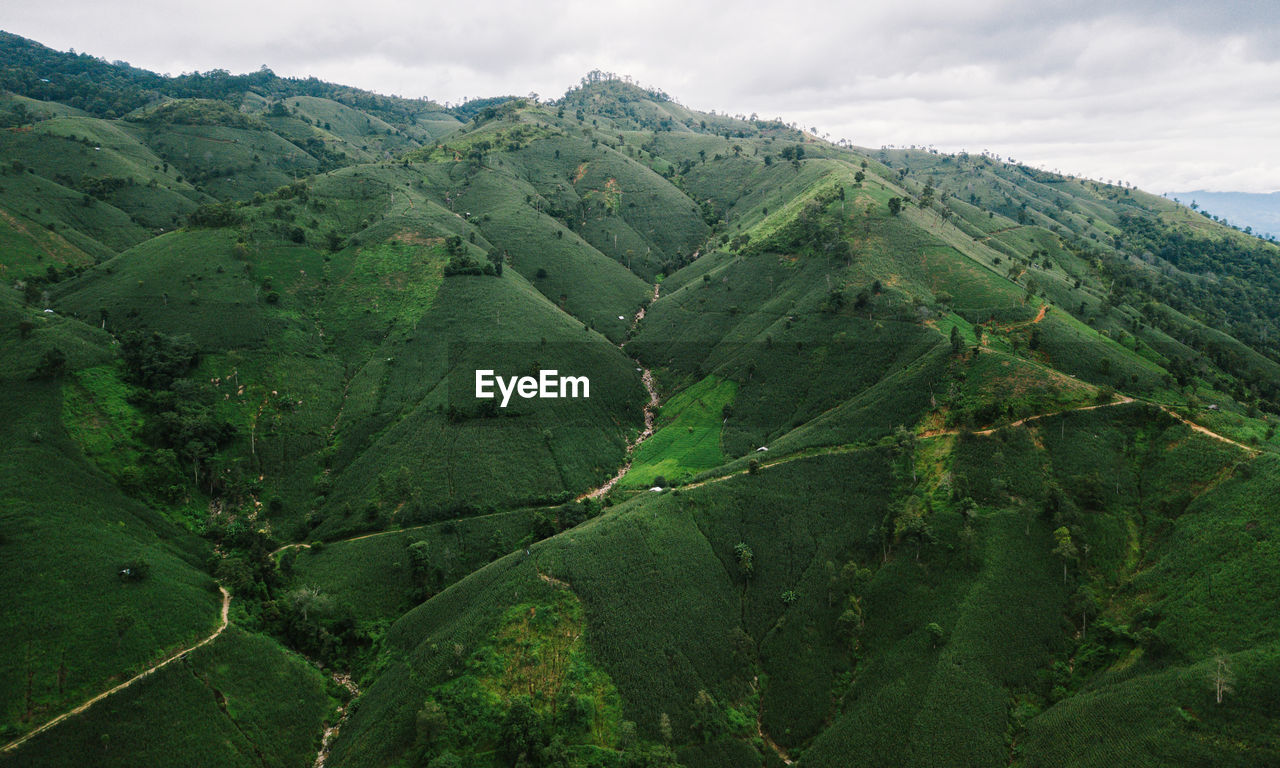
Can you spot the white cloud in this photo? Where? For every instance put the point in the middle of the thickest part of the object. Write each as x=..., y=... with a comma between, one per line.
x=1164, y=94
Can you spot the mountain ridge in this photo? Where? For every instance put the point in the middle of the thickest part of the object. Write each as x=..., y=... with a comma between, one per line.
x=1257, y=210
x=963, y=462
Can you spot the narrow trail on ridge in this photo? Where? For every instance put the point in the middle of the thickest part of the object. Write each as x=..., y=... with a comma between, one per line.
x=1044, y=309
x=927, y=435
x=1119, y=400
x=226, y=607
x=1206, y=430
x=393, y=531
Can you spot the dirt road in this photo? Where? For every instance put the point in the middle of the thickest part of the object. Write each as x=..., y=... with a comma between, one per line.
x=226, y=607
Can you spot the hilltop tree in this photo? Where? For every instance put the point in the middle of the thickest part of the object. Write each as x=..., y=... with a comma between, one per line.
x=895, y=206
x=1084, y=602
x=1221, y=679
x=926, y=195
x=850, y=581
x=853, y=577
x=849, y=623
x=910, y=525
x=154, y=361
x=31, y=293
x=969, y=544
x=708, y=719
x=446, y=759
x=904, y=444
x=420, y=559
x=52, y=365
x=746, y=560
x=431, y=723
x=307, y=600
x=1064, y=548
x=524, y=734
x=333, y=241
x=664, y=728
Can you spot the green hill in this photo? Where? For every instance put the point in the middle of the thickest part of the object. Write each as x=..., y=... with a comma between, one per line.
x=958, y=462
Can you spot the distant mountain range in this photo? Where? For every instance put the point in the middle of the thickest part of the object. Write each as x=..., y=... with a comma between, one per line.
x=1260, y=211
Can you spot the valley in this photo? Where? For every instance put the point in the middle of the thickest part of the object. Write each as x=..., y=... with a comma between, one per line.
x=961, y=462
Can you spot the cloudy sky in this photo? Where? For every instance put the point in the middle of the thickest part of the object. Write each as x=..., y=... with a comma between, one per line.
x=1169, y=95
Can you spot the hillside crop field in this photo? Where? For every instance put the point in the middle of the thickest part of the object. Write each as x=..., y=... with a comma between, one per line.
x=888, y=457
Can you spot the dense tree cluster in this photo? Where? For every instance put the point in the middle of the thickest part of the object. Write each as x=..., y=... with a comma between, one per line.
x=181, y=423
x=1229, y=283
x=113, y=89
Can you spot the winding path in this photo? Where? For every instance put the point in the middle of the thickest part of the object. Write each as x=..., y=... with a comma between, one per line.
x=1044, y=309
x=226, y=607
x=1120, y=400
x=1204, y=430
x=852, y=447
x=391, y=531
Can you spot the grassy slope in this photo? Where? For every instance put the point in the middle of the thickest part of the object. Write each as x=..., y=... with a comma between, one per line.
x=687, y=436
x=1001, y=606
x=344, y=357
x=239, y=701
x=564, y=267
x=822, y=353
x=74, y=625
x=981, y=662
x=376, y=575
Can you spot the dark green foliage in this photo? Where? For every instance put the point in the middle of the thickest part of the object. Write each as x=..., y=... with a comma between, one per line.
x=240, y=701
x=382, y=577
x=134, y=570
x=52, y=365
x=206, y=112
x=461, y=262
x=857, y=559
x=154, y=361
x=69, y=534
x=215, y=215
x=181, y=417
